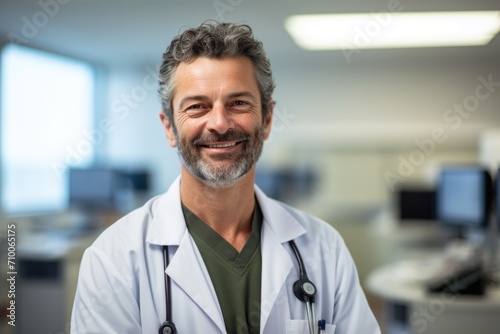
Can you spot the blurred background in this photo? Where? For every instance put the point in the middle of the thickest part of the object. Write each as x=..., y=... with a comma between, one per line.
x=362, y=138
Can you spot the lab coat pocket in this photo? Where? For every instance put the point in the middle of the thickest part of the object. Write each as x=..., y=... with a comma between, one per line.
x=302, y=327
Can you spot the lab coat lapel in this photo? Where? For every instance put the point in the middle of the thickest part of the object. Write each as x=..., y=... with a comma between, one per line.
x=189, y=272
x=186, y=267
x=278, y=228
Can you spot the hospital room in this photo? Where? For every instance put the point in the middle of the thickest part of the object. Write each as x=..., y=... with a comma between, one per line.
x=236, y=166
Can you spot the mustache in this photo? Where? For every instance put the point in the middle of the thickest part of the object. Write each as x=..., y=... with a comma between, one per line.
x=231, y=135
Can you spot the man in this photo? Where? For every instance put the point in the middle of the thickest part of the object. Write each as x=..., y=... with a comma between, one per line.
x=230, y=264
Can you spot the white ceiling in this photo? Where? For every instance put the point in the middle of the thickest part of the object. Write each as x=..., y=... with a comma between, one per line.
x=122, y=32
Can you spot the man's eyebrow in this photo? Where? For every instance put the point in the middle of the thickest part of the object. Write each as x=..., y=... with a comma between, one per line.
x=192, y=98
x=198, y=98
x=244, y=94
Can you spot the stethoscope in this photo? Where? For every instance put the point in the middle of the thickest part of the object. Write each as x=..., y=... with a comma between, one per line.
x=303, y=289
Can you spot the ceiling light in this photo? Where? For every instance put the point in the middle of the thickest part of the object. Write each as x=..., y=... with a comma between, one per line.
x=393, y=30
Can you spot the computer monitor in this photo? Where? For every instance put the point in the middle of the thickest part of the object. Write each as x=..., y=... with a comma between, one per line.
x=140, y=179
x=93, y=189
x=416, y=204
x=286, y=184
x=464, y=197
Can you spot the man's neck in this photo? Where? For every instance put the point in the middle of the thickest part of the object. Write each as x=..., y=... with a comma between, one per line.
x=228, y=211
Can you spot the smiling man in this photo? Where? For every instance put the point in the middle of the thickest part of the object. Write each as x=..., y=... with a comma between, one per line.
x=214, y=254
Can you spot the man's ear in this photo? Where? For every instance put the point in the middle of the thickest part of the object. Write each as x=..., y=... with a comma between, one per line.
x=268, y=120
x=168, y=128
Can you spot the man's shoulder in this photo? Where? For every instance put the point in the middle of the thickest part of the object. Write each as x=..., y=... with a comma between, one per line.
x=301, y=215
x=131, y=228
x=314, y=225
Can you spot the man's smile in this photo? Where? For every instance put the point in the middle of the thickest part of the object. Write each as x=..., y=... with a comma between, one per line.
x=221, y=147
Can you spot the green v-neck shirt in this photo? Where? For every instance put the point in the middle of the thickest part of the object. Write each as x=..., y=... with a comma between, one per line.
x=235, y=276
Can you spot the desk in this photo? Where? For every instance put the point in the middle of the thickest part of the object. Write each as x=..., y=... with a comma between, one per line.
x=49, y=249
x=49, y=264
x=410, y=309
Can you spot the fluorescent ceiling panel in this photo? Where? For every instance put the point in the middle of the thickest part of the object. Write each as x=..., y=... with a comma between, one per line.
x=393, y=30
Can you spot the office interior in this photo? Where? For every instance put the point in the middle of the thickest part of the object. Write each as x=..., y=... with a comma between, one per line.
x=361, y=138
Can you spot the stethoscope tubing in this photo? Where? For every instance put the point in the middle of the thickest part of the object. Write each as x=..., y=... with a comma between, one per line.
x=168, y=298
x=169, y=327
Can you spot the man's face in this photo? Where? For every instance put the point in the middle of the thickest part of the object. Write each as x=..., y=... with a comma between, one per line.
x=217, y=115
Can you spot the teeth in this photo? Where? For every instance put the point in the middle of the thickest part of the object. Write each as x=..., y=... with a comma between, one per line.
x=222, y=145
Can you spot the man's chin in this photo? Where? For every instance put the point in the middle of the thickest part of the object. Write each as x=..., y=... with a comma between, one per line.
x=229, y=158
x=221, y=175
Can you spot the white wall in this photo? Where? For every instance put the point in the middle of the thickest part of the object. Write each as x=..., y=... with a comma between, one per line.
x=386, y=100
x=137, y=138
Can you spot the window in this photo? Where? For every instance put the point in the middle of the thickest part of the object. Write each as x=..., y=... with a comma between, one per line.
x=46, y=126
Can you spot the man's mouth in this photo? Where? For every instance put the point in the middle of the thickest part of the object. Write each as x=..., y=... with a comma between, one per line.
x=221, y=145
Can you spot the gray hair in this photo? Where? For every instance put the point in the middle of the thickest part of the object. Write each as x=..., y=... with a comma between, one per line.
x=215, y=40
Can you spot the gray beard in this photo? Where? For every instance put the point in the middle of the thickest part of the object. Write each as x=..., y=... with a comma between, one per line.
x=220, y=176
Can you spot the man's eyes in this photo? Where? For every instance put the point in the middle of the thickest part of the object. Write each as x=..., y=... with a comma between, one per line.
x=240, y=105
x=194, y=106
x=196, y=109
x=235, y=105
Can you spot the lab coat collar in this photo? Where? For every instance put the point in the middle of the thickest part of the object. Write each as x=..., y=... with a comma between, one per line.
x=277, y=219
x=168, y=225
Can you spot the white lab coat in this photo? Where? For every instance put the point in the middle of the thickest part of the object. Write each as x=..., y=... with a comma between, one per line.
x=121, y=282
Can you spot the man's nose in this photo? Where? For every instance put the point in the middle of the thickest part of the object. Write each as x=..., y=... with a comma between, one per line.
x=219, y=119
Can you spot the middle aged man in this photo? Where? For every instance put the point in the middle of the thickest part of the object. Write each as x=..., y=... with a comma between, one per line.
x=214, y=254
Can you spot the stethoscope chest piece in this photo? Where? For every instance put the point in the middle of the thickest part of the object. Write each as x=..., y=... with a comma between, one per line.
x=304, y=290
x=167, y=328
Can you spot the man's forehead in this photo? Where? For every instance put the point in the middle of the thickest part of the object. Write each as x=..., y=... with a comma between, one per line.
x=241, y=60
x=233, y=74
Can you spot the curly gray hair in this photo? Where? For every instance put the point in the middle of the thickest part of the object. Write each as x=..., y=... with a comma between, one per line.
x=215, y=40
